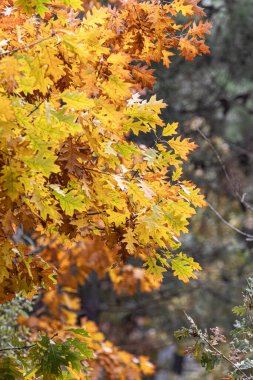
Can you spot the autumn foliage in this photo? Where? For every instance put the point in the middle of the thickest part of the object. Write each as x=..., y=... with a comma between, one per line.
x=77, y=195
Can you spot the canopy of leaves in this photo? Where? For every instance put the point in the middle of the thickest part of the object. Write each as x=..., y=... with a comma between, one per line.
x=76, y=195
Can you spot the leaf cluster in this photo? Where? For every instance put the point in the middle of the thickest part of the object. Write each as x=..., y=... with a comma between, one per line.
x=77, y=195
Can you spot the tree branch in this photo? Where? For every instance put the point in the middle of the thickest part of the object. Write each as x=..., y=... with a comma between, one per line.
x=18, y=348
x=27, y=46
x=241, y=198
x=27, y=347
x=249, y=237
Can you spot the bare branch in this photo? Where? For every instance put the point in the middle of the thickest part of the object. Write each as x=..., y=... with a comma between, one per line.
x=237, y=194
x=249, y=237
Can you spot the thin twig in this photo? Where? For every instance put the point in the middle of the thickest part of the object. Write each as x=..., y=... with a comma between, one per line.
x=248, y=236
x=223, y=166
x=35, y=108
x=27, y=46
x=241, y=198
x=18, y=348
x=24, y=347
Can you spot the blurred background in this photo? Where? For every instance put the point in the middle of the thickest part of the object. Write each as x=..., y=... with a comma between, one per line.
x=212, y=98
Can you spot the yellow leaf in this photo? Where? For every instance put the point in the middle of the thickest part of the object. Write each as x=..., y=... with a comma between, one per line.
x=182, y=147
x=177, y=174
x=77, y=100
x=117, y=217
x=116, y=88
x=184, y=267
x=170, y=129
x=146, y=366
x=183, y=7
x=130, y=240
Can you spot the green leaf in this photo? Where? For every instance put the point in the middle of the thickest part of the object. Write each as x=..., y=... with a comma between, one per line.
x=34, y=6
x=75, y=4
x=239, y=310
x=43, y=164
x=79, y=332
x=127, y=150
x=183, y=333
x=70, y=201
x=40, y=7
x=51, y=359
x=209, y=361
